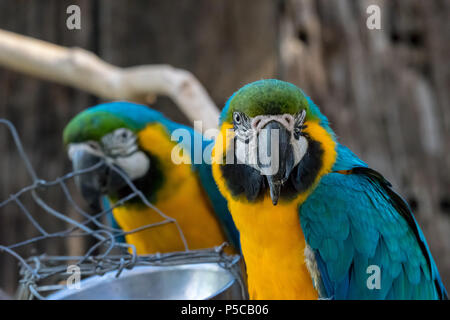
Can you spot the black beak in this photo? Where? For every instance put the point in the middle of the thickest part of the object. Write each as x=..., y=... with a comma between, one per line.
x=275, y=141
x=92, y=183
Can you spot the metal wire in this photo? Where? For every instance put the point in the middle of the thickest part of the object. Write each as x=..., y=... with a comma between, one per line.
x=36, y=270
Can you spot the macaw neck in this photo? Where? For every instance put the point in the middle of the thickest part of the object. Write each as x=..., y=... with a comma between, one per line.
x=346, y=159
x=155, y=139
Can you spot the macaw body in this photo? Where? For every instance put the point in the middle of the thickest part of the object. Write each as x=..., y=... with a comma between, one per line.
x=320, y=225
x=183, y=191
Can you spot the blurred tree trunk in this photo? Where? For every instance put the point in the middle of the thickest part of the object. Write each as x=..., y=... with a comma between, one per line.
x=386, y=92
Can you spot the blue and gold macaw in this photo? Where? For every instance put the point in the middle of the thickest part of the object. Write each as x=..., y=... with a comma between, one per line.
x=137, y=141
x=314, y=220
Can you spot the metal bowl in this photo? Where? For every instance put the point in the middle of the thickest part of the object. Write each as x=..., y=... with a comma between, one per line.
x=181, y=282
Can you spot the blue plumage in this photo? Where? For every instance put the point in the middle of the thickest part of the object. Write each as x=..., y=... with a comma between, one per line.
x=361, y=240
x=361, y=223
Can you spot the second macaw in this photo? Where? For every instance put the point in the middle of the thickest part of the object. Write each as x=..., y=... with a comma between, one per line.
x=314, y=220
x=137, y=141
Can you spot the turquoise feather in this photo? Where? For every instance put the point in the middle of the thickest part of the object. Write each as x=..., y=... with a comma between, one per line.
x=351, y=221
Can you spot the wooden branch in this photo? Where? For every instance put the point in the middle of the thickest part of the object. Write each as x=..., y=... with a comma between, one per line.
x=84, y=70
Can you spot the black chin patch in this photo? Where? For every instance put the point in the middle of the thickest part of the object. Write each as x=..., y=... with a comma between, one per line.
x=305, y=173
x=243, y=179
x=147, y=184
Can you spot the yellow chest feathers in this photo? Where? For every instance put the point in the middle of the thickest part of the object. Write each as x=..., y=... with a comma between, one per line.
x=181, y=197
x=272, y=240
x=273, y=246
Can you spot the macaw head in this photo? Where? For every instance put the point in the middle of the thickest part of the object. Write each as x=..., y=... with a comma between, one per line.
x=110, y=132
x=281, y=143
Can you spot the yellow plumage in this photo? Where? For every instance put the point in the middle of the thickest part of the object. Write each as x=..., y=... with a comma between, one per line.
x=271, y=237
x=181, y=197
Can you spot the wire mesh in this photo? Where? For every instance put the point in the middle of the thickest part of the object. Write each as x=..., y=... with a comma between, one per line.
x=44, y=273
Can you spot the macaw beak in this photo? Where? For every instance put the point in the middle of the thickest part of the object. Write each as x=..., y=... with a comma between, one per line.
x=92, y=183
x=275, y=139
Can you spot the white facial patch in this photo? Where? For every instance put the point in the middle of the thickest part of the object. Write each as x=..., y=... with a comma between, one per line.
x=121, y=149
x=247, y=150
x=120, y=142
x=247, y=133
x=300, y=147
x=118, y=148
x=135, y=165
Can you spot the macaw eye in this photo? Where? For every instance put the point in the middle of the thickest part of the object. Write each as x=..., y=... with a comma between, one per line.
x=122, y=134
x=241, y=122
x=237, y=118
x=121, y=142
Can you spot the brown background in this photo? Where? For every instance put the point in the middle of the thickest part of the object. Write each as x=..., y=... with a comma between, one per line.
x=386, y=92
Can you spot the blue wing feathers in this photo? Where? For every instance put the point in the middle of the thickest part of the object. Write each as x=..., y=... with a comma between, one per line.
x=326, y=290
x=361, y=217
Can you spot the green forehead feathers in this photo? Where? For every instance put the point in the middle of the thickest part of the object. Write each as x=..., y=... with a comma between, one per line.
x=93, y=126
x=267, y=97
